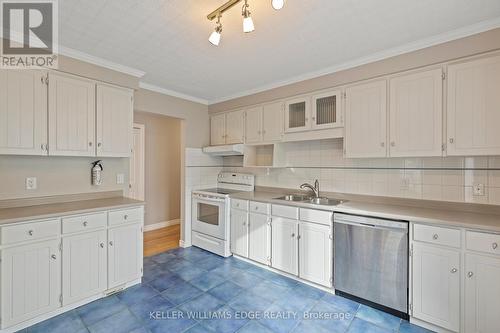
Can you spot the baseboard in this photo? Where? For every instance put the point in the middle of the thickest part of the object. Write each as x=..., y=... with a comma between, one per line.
x=160, y=225
x=183, y=244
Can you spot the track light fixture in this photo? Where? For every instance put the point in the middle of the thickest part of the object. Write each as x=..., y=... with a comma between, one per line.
x=216, y=35
x=277, y=4
x=247, y=19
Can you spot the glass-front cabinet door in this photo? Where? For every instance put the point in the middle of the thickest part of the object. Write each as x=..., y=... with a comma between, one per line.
x=326, y=110
x=297, y=113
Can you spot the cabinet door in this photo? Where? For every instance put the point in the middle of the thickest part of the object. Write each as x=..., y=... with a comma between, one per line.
x=272, y=122
x=84, y=266
x=297, y=114
x=31, y=281
x=259, y=238
x=235, y=127
x=253, y=125
x=474, y=107
x=326, y=110
x=218, y=129
x=482, y=293
x=239, y=232
x=416, y=113
x=71, y=115
x=436, y=286
x=114, y=121
x=284, y=245
x=315, y=253
x=124, y=254
x=23, y=112
x=366, y=115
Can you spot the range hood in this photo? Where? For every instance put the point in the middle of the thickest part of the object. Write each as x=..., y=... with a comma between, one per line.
x=225, y=150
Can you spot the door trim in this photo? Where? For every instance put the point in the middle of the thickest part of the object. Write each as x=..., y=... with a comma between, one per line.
x=141, y=186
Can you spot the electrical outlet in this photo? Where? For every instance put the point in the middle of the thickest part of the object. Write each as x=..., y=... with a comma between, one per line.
x=31, y=183
x=478, y=190
x=405, y=183
x=120, y=178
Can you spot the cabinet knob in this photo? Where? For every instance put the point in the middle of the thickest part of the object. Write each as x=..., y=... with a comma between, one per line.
x=293, y=235
x=256, y=208
x=470, y=274
x=111, y=243
x=53, y=256
x=451, y=140
x=101, y=245
x=244, y=223
x=298, y=236
x=90, y=144
x=99, y=144
x=30, y=232
x=494, y=246
x=454, y=270
x=125, y=217
x=85, y=223
x=382, y=144
x=393, y=144
x=435, y=236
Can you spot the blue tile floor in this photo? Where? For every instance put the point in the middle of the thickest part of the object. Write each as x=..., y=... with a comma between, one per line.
x=191, y=290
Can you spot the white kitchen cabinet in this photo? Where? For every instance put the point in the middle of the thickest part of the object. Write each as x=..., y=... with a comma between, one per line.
x=272, y=122
x=284, y=245
x=259, y=238
x=326, y=110
x=315, y=253
x=473, y=108
x=482, y=293
x=218, y=129
x=239, y=232
x=23, y=112
x=235, y=127
x=416, y=113
x=297, y=114
x=436, y=285
x=71, y=115
x=365, y=120
x=124, y=254
x=253, y=125
x=31, y=281
x=115, y=113
x=84, y=267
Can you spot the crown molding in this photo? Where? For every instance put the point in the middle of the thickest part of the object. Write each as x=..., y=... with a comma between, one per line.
x=406, y=48
x=172, y=93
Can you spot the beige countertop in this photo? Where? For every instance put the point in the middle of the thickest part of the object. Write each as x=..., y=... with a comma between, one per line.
x=35, y=212
x=452, y=214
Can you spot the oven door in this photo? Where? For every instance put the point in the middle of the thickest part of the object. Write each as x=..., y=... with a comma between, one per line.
x=209, y=216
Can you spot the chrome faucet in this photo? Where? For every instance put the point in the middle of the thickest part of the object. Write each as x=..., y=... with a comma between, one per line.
x=314, y=188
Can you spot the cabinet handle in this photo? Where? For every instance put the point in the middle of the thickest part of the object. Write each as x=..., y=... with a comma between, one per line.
x=313, y=118
x=101, y=245
x=42, y=146
x=451, y=140
x=454, y=270
x=111, y=243
x=90, y=144
x=244, y=223
x=125, y=217
x=85, y=223
x=298, y=237
x=99, y=144
x=53, y=256
x=30, y=232
x=435, y=236
x=494, y=246
x=256, y=208
x=382, y=144
x=470, y=274
x=293, y=235
x=393, y=144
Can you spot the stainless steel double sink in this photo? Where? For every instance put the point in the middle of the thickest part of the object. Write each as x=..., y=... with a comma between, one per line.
x=320, y=201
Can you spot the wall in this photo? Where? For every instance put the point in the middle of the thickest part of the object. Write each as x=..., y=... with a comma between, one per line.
x=162, y=167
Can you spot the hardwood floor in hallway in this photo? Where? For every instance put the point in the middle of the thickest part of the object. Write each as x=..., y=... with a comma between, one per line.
x=161, y=240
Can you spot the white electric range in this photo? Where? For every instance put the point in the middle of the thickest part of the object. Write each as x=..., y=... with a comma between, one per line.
x=211, y=209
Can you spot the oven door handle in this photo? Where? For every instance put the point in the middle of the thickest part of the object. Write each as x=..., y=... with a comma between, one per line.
x=209, y=201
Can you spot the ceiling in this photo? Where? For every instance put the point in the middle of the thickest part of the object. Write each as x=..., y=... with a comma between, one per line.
x=167, y=39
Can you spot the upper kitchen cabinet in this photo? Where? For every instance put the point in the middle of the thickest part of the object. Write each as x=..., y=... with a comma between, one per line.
x=23, y=112
x=264, y=124
x=366, y=115
x=326, y=110
x=473, y=112
x=253, y=125
x=114, y=120
x=416, y=113
x=227, y=128
x=297, y=113
x=71, y=115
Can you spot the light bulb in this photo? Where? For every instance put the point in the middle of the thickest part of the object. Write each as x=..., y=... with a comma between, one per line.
x=277, y=4
x=214, y=38
x=248, y=24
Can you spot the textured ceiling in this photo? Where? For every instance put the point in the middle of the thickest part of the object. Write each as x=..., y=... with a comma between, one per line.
x=167, y=39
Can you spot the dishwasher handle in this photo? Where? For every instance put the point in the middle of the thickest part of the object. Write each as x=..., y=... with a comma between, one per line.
x=368, y=222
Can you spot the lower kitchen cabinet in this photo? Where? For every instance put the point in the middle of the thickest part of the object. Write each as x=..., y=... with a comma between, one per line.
x=124, y=254
x=436, y=285
x=31, y=281
x=482, y=293
x=284, y=245
x=84, y=266
x=259, y=235
x=315, y=253
x=239, y=232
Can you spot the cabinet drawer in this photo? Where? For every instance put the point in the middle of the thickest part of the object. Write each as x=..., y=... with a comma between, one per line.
x=483, y=242
x=83, y=222
x=316, y=216
x=285, y=211
x=259, y=207
x=239, y=204
x=436, y=235
x=126, y=216
x=30, y=231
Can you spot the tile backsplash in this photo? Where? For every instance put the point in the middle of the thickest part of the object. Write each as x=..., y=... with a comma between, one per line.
x=458, y=179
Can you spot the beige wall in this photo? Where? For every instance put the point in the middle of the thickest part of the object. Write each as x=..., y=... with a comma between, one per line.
x=475, y=44
x=162, y=166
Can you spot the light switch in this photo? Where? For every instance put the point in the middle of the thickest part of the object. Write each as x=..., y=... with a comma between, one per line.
x=120, y=178
x=31, y=183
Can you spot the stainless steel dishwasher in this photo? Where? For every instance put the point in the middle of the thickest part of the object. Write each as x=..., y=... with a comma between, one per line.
x=371, y=261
